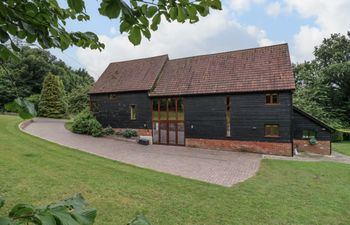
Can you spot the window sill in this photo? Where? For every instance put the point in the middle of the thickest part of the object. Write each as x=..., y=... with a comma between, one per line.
x=272, y=104
x=272, y=136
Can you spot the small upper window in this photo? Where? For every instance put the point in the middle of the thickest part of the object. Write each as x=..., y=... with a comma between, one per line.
x=309, y=134
x=112, y=96
x=271, y=98
x=132, y=112
x=272, y=130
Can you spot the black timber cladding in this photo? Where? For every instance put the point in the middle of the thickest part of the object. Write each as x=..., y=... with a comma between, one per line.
x=205, y=117
x=116, y=111
x=301, y=121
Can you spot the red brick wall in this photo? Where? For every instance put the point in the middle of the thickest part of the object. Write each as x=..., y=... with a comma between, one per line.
x=140, y=132
x=242, y=146
x=322, y=147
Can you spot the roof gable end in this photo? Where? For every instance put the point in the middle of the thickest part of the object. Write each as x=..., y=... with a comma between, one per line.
x=133, y=75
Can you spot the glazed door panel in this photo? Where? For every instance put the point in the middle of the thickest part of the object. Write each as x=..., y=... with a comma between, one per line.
x=168, y=121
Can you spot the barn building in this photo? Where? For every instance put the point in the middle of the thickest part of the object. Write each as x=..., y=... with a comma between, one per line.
x=237, y=101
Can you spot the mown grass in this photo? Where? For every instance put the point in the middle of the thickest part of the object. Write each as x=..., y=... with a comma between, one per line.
x=283, y=192
x=342, y=147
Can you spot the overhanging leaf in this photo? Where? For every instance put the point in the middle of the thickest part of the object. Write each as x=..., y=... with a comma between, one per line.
x=144, y=21
x=173, y=13
x=27, y=106
x=192, y=12
x=21, y=210
x=216, y=4
x=139, y=220
x=151, y=11
x=180, y=14
x=84, y=216
x=46, y=218
x=15, y=47
x=6, y=54
x=70, y=211
x=124, y=26
x=63, y=216
x=4, y=36
x=77, y=5
x=110, y=8
x=5, y=221
x=146, y=33
x=135, y=35
x=23, y=107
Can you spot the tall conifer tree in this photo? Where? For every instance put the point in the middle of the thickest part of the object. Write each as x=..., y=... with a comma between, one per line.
x=52, y=102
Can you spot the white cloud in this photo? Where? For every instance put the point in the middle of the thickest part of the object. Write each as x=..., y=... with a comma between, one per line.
x=112, y=30
x=305, y=41
x=260, y=35
x=240, y=4
x=243, y=5
x=214, y=33
x=273, y=9
x=330, y=17
x=266, y=42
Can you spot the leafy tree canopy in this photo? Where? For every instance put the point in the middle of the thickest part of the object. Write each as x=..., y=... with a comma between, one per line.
x=25, y=77
x=43, y=21
x=323, y=84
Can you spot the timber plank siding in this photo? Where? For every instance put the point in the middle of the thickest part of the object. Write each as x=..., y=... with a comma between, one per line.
x=205, y=117
x=116, y=111
x=300, y=123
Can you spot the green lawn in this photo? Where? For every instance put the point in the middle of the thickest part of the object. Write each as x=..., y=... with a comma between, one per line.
x=342, y=147
x=36, y=171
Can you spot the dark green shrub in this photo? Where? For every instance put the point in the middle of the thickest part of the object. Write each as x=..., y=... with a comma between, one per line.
x=337, y=136
x=78, y=99
x=108, y=130
x=128, y=133
x=86, y=123
x=95, y=128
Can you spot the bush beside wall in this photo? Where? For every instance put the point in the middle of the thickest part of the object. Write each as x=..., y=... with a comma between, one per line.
x=86, y=123
x=337, y=136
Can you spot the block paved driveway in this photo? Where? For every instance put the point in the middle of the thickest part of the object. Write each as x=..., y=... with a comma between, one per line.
x=213, y=166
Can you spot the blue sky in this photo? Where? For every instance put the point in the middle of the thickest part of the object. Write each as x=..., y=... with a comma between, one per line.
x=241, y=24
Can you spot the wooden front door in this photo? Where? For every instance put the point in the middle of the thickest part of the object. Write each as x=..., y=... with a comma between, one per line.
x=168, y=121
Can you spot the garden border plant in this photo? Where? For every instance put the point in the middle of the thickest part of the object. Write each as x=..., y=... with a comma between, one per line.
x=86, y=123
x=71, y=210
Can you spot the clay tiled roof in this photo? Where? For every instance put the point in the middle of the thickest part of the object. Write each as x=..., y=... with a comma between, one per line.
x=250, y=70
x=258, y=69
x=133, y=75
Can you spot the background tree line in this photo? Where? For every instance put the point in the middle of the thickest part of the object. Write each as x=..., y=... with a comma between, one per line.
x=24, y=78
x=323, y=84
